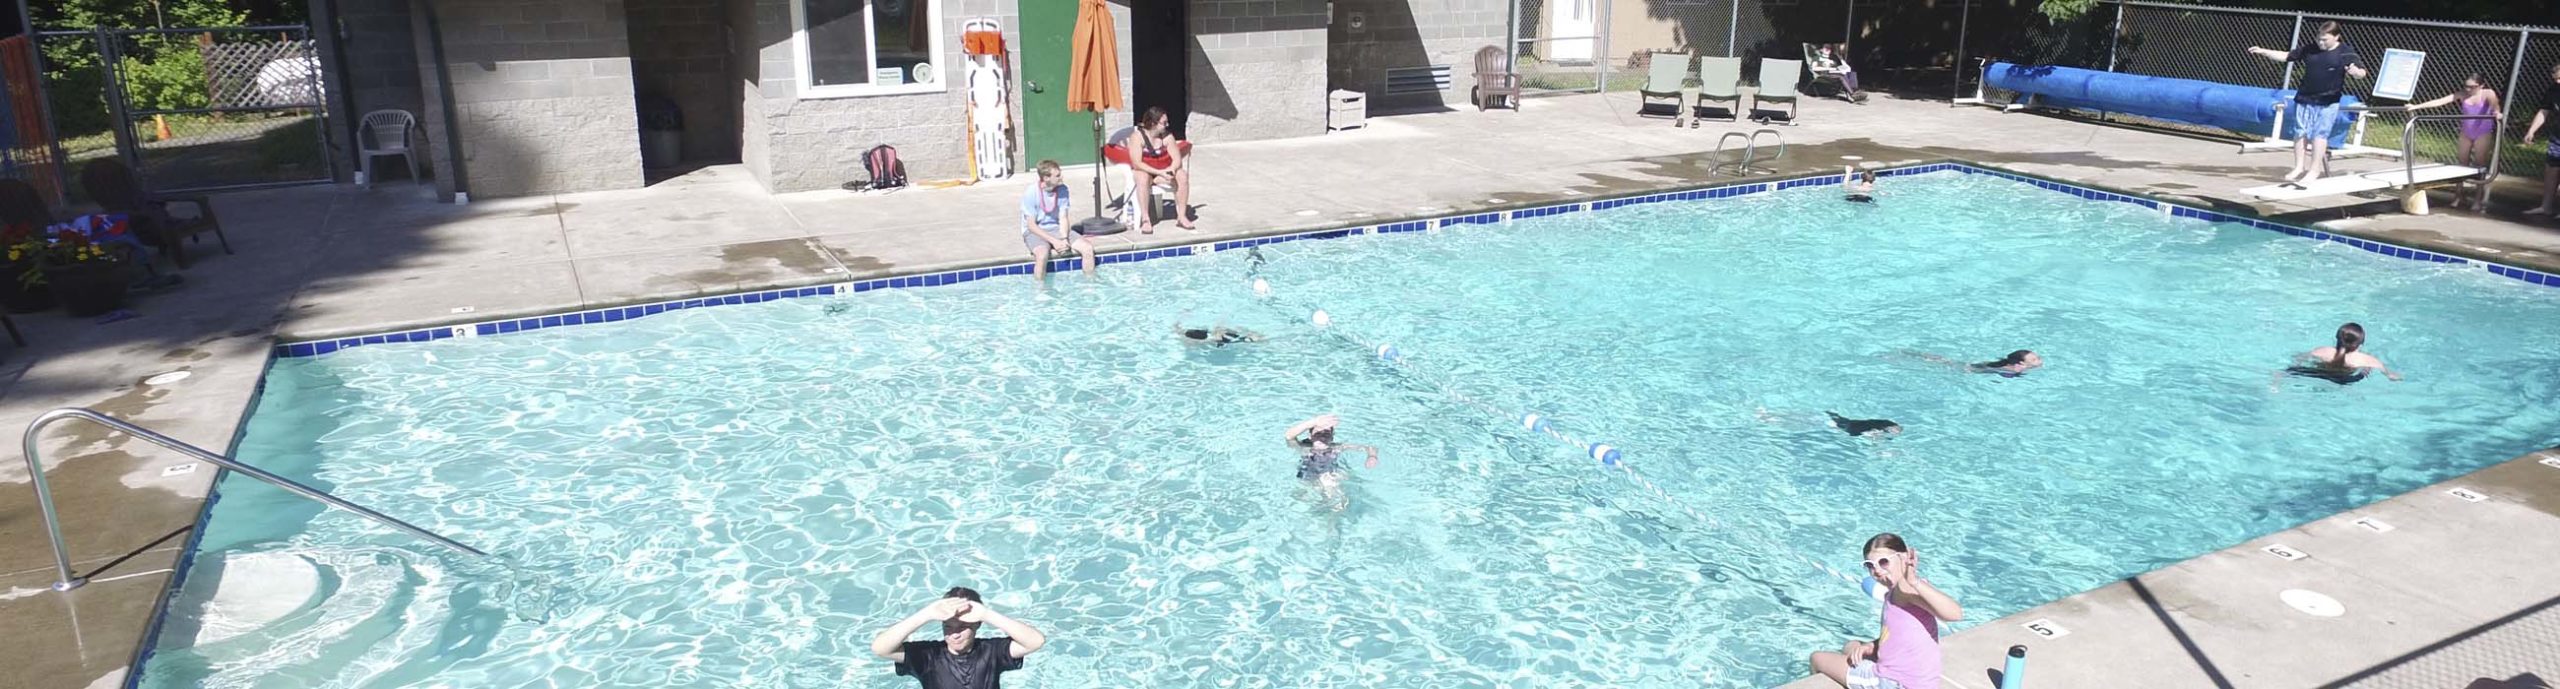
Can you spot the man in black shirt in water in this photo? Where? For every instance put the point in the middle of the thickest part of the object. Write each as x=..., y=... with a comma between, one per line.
x=958, y=660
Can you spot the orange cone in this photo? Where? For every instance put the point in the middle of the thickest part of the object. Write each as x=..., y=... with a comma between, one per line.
x=163, y=123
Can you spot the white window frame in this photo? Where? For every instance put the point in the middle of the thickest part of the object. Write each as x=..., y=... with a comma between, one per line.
x=870, y=42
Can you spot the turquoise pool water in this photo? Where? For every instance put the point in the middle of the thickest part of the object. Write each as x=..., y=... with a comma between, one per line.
x=742, y=496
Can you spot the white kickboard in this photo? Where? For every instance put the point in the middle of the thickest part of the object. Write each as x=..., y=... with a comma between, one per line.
x=2362, y=182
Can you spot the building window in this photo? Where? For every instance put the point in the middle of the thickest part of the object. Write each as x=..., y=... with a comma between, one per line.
x=867, y=47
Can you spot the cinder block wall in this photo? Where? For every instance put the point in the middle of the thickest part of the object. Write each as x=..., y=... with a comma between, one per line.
x=1413, y=33
x=380, y=57
x=677, y=52
x=542, y=94
x=817, y=143
x=1259, y=72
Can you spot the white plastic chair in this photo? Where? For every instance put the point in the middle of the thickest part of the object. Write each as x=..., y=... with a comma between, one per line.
x=386, y=133
x=1119, y=181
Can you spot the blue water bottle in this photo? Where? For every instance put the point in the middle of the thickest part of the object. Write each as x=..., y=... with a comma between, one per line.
x=2013, y=675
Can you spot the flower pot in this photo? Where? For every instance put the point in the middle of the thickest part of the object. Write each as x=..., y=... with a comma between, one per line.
x=89, y=289
x=19, y=297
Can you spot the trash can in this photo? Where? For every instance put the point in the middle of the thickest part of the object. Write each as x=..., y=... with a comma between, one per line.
x=661, y=132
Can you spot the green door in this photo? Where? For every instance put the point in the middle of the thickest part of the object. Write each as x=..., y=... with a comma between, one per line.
x=1049, y=131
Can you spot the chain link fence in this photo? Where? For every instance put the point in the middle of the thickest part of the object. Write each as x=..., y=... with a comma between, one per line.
x=2211, y=44
x=219, y=107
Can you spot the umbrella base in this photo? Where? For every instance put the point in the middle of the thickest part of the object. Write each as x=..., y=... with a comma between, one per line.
x=1099, y=226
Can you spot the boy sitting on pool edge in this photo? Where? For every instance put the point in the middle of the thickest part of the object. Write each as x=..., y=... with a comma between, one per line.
x=1044, y=206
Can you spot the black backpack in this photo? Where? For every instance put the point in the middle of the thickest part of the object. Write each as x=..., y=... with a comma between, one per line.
x=881, y=162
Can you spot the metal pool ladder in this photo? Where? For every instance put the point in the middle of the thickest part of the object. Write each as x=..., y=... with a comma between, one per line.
x=1750, y=151
x=53, y=526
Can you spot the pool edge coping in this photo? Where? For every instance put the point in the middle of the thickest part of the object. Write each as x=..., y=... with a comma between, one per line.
x=970, y=271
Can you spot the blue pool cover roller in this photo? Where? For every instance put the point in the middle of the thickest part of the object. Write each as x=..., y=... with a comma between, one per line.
x=2247, y=109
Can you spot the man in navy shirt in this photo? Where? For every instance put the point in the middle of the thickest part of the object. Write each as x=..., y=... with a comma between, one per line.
x=958, y=660
x=2326, y=65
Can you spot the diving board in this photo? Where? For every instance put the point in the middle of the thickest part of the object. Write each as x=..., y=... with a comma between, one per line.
x=2376, y=180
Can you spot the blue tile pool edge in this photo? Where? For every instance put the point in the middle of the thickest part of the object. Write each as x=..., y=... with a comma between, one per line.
x=318, y=347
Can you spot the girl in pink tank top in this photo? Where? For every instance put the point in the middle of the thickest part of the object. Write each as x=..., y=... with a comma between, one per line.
x=1905, y=655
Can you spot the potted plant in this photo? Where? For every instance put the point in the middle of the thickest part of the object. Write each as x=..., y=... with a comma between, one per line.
x=22, y=286
x=87, y=278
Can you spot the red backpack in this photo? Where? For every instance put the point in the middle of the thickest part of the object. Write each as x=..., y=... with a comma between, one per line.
x=885, y=170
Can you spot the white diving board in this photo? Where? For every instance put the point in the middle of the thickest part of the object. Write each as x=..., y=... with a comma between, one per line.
x=2376, y=180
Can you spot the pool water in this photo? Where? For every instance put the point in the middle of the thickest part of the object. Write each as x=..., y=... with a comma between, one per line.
x=743, y=496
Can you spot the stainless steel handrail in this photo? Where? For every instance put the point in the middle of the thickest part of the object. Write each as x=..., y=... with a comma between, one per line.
x=1750, y=150
x=1738, y=168
x=53, y=525
x=2409, y=131
x=1782, y=143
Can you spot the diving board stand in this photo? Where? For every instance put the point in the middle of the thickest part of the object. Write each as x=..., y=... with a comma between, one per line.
x=2411, y=177
x=2340, y=185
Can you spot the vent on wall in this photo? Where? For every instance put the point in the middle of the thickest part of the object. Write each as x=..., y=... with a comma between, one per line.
x=1425, y=79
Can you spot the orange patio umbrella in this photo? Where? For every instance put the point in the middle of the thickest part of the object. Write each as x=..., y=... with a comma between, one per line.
x=1094, y=81
x=1093, y=85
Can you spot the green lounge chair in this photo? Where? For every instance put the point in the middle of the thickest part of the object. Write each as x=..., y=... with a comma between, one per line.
x=1720, y=79
x=1777, y=85
x=1670, y=72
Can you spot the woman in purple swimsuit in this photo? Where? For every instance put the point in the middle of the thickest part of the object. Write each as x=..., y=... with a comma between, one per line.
x=2478, y=136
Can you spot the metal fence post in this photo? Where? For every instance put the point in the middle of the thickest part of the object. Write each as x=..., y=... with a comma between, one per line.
x=120, y=120
x=2115, y=37
x=1733, y=31
x=2506, y=98
x=1964, y=24
x=1849, y=29
x=2292, y=43
x=1600, y=57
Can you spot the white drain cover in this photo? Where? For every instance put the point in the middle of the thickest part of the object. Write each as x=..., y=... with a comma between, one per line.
x=167, y=378
x=2313, y=603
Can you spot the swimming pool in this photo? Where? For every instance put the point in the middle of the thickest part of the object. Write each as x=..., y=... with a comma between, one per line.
x=745, y=495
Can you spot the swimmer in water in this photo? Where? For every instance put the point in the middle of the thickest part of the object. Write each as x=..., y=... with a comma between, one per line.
x=1216, y=335
x=1863, y=189
x=1864, y=427
x=2017, y=363
x=1320, y=458
x=2342, y=363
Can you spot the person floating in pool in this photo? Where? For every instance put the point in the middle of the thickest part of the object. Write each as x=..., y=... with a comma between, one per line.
x=1215, y=336
x=1863, y=188
x=2343, y=363
x=1868, y=428
x=960, y=659
x=1905, y=655
x=1320, y=458
x=2017, y=363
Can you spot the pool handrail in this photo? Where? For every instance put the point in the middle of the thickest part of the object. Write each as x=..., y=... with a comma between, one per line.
x=52, y=522
x=2409, y=130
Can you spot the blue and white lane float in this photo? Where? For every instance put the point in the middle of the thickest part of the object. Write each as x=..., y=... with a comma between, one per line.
x=1607, y=455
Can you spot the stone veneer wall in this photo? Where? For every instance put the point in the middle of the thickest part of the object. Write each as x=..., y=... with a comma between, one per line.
x=1259, y=70
x=542, y=94
x=1414, y=33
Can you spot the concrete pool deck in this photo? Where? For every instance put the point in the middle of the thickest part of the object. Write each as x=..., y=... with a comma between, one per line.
x=323, y=261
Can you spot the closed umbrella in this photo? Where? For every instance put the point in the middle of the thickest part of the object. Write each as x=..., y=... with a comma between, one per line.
x=1093, y=85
